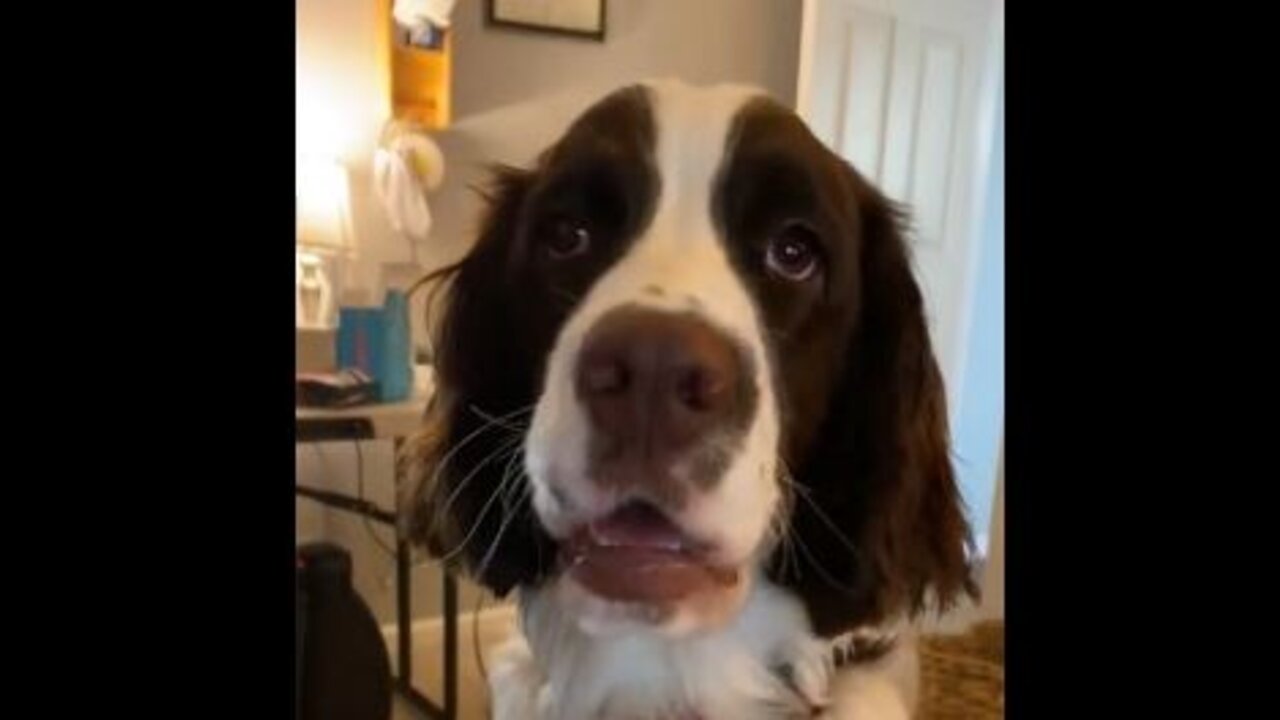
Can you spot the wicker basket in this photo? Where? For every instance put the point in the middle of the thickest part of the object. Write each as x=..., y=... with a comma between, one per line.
x=962, y=676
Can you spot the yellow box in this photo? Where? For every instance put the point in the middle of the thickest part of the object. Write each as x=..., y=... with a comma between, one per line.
x=416, y=80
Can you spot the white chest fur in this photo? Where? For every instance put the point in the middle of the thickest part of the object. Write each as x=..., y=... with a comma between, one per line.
x=559, y=671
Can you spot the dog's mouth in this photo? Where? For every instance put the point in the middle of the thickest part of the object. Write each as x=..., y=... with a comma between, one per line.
x=637, y=554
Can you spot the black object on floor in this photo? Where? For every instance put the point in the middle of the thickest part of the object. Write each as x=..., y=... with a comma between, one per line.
x=345, y=673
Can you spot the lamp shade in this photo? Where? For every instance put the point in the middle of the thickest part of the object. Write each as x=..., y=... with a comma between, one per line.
x=323, y=201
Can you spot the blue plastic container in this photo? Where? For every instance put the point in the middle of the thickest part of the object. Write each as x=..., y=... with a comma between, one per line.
x=378, y=342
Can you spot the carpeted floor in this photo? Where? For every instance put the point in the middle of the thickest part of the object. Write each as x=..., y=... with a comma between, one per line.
x=962, y=675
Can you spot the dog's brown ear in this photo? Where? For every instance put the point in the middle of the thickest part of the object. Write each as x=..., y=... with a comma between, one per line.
x=467, y=502
x=420, y=455
x=882, y=526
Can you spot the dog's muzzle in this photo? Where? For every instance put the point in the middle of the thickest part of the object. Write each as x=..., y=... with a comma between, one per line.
x=666, y=397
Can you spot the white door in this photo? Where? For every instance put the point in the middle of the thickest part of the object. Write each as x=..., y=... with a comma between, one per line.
x=905, y=90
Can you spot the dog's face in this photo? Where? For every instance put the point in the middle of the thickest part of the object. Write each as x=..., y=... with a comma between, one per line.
x=688, y=345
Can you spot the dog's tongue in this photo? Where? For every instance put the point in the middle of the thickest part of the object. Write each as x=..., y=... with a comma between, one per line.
x=636, y=554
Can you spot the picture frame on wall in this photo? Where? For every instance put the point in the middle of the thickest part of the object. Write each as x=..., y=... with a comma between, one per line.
x=576, y=18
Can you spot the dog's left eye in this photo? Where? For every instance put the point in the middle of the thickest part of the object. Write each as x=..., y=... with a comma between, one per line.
x=792, y=253
x=567, y=238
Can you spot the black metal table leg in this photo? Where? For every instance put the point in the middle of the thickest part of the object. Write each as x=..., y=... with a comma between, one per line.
x=404, y=642
x=449, y=711
x=450, y=645
x=404, y=631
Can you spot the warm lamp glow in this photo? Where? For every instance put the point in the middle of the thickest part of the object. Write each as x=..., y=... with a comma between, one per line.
x=323, y=195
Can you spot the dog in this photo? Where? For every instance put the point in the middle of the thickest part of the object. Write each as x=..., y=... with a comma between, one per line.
x=687, y=409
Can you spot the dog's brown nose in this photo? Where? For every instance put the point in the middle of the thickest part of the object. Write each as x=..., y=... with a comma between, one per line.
x=655, y=382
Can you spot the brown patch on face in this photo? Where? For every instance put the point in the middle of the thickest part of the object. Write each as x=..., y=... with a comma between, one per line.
x=708, y=464
x=863, y=407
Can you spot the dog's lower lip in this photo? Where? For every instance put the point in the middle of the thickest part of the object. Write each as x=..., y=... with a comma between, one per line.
x=643, y=574
x=636, y=554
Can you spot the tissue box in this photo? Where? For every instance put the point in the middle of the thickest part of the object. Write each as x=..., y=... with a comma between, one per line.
x=315, y=351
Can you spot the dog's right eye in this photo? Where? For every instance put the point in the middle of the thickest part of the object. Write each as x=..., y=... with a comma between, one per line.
x=567, y=238
x=792, y=254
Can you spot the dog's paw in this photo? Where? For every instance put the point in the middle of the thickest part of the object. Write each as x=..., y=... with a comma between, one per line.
x=515, y=683
x=805, y=665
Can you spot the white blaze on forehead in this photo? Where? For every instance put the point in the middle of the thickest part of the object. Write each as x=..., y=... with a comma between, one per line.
x=693, y=126
x=680, y=252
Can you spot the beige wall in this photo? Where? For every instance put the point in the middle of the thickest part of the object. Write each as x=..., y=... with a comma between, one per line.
x=703, y=41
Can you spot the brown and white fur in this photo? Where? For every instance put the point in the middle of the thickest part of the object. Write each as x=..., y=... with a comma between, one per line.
x=706, y=232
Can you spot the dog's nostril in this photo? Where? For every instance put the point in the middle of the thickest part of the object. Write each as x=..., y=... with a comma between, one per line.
x=699, y=389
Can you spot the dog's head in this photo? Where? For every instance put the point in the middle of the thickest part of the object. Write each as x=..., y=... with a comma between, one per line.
x=688, y=344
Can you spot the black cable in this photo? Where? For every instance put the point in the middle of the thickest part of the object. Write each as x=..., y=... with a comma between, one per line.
x=359, y=505
x=345, y=502
x=391, y=553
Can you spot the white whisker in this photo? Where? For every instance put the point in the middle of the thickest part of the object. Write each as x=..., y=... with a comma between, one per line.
x=443, y=510
x=497, y=491
x=497, y=539
x=826, y=575
x=804, y=494
x=503, y=420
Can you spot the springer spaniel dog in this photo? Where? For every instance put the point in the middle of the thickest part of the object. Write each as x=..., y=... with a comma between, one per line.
x=688, y=410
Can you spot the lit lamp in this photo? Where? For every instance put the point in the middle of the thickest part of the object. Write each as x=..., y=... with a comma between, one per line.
x=323, y=241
